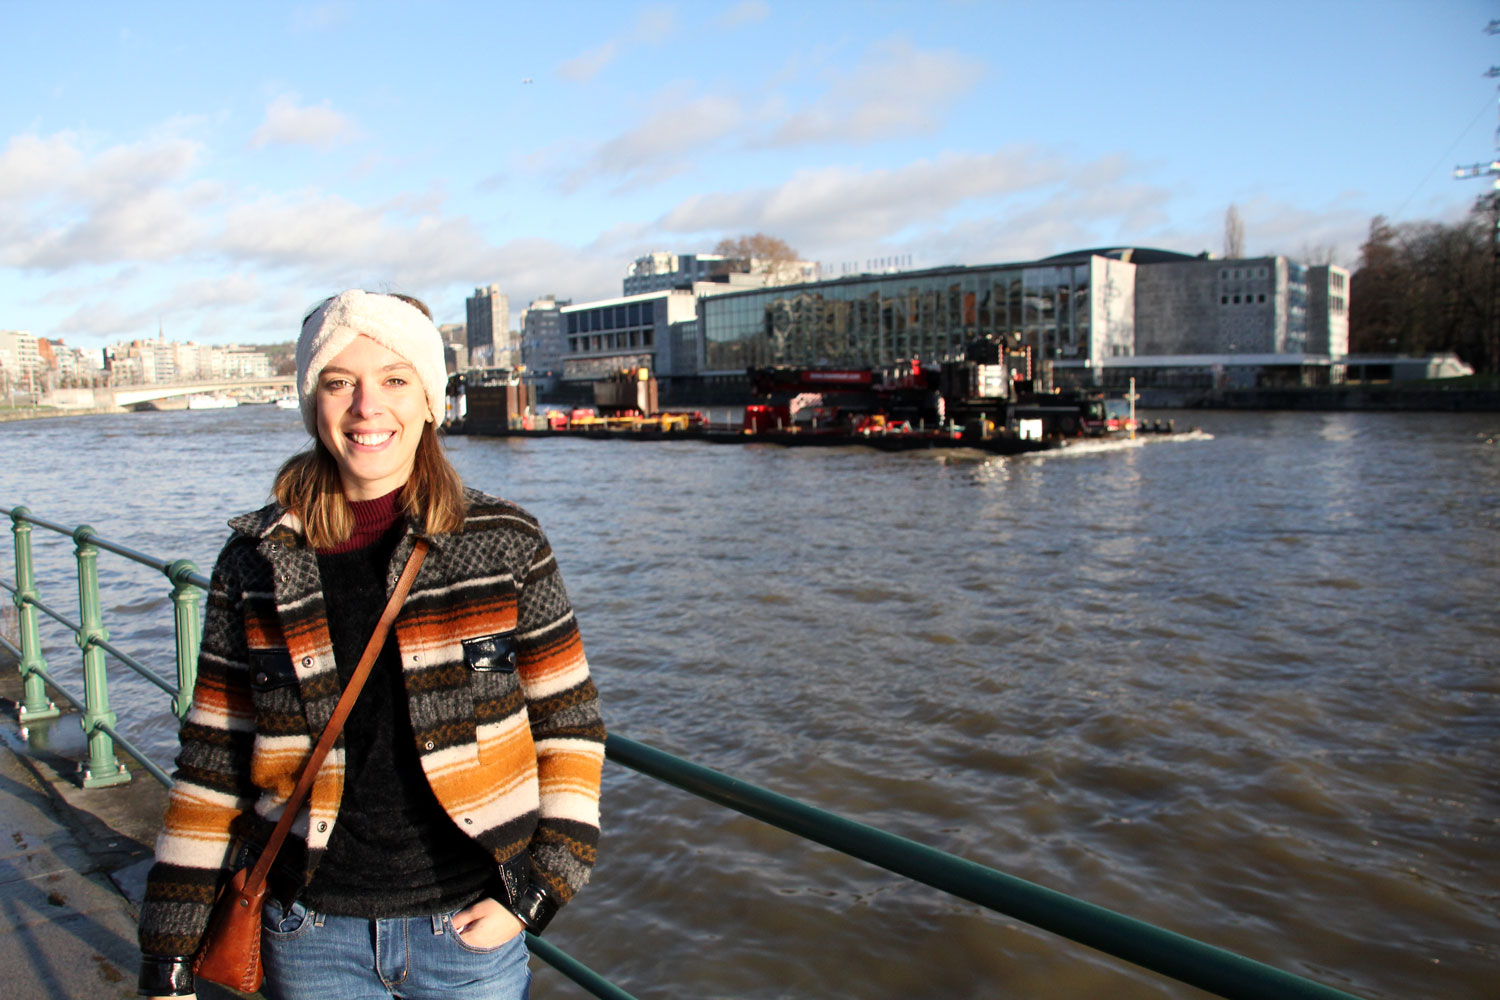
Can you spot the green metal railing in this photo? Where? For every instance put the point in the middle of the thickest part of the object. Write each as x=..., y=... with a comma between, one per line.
x=98, y=721
x=1176, y=956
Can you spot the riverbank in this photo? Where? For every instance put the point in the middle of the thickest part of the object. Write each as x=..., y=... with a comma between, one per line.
x=1326, y=399
x=40, y=412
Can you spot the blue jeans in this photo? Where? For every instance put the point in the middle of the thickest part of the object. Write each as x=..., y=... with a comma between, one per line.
x=316, y=956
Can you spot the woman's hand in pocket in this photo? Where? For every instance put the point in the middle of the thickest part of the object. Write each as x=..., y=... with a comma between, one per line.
x=486, y=924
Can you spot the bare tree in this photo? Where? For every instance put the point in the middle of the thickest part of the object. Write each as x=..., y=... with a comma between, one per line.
x=762, y=252
x=1318, y=254
x=1234, y=233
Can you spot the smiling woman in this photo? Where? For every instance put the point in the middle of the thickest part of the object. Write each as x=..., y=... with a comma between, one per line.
x=461, y=805
x=371, y=414
x=370, y=379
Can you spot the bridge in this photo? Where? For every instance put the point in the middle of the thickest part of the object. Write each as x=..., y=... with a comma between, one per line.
x=107, y=397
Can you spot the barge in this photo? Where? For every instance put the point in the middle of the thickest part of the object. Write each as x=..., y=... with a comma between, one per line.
x=989, y=401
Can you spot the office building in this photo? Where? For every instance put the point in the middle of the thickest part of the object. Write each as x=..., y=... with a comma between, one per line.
x=660, y=271
x=1089, y=316
x=543, y=342
x=488, y=328
x=656, y=330
x=1260, y=305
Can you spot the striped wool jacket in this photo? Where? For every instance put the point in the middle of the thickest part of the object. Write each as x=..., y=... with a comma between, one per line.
x=504, y=711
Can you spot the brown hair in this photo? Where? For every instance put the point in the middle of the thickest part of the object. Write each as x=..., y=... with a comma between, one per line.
x=308, y=485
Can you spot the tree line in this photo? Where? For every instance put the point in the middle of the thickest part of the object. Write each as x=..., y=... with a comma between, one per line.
x=1425, y=287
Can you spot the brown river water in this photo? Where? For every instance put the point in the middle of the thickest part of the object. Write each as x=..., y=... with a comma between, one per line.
x=1241, y=684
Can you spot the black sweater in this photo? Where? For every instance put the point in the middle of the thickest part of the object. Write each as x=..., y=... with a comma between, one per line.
x=394, y=851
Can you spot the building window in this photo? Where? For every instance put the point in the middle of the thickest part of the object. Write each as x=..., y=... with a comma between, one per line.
x=1223, y=300
x=1263, y=296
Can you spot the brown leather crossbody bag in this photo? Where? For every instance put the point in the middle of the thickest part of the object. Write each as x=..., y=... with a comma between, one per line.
x=230, y=952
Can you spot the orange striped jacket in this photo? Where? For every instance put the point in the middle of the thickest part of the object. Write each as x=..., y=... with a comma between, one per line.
x=505, y=714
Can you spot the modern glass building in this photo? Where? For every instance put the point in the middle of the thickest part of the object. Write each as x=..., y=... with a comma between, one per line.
x=1077, y=306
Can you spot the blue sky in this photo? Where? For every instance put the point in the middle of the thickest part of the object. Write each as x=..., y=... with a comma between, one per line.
x=217, y=171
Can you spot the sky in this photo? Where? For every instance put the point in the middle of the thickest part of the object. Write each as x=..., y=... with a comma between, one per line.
x=212, y=171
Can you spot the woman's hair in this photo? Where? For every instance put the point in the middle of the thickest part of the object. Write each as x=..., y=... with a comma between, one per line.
x=308, y=485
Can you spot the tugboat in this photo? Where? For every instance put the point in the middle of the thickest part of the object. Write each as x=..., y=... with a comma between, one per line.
x=989, y=400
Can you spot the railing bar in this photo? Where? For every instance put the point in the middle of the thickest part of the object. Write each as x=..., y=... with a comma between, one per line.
x=59, y=689
x=14, y=649
x=42, y=522
x=161, y=565
x=1182, y=958
x=75, y=628
x=574, y=969
x=141, y=758
x=129, y=553
x=136, y=665
x=108, y=647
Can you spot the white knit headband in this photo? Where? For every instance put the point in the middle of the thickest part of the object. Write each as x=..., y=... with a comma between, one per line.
x=385, y=319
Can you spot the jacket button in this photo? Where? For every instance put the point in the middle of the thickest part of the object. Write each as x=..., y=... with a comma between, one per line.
x=468, y=821
x=307, y=661
x=322, y=826
x=430, y=744
x=261, y=678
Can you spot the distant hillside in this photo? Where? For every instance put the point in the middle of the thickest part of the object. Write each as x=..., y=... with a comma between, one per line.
x=283, y=356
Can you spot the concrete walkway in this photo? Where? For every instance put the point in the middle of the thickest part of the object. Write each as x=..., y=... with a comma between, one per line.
x=73, y=864
x=66, y=930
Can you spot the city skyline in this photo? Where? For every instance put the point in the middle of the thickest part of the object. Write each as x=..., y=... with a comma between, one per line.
x=215, y=173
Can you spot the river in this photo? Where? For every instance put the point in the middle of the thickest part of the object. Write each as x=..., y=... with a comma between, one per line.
x=1241, y=684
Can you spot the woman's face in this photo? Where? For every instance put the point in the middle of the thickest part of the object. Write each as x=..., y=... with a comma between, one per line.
x=371, y=411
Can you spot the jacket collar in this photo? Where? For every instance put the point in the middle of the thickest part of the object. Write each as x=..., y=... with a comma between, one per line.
x=274, y=523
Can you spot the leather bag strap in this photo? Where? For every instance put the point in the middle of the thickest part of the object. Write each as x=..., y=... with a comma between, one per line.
x=262, y=868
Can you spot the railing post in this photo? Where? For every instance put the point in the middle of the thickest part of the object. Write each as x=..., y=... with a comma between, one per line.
x=185, y=605
x=102, y=769
x=35, y=705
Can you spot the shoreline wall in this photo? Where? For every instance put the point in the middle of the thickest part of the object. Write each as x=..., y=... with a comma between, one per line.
x=1337, y=398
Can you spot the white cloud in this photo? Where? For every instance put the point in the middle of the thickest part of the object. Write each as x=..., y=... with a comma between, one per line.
x=288, y=123
x=586, y=65
x=225, y=261
x=841, y=204
x=31, y=165
x=745, y=12
x=663, y=145
x=320, y=16
x=1276, y=227
x=895, y=91
x=655, y=23
x=62, y=207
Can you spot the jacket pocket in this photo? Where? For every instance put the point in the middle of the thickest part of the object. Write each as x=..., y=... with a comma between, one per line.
x=276, y=693
x=493, y=681
x=271, y=669
x=489, y=654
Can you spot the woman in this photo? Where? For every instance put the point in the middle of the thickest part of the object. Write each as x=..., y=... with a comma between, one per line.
x=460, y=803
